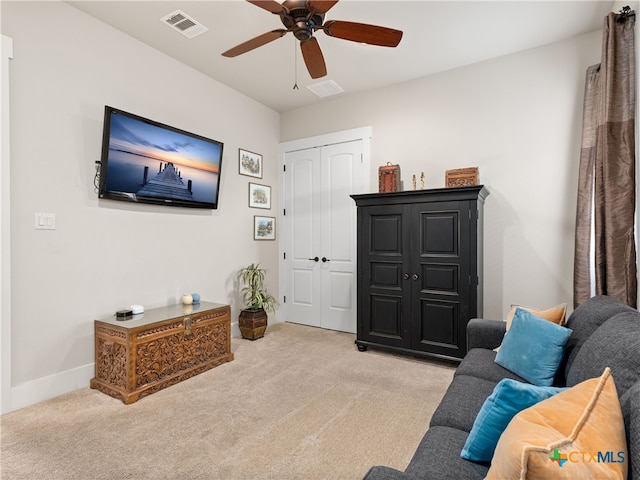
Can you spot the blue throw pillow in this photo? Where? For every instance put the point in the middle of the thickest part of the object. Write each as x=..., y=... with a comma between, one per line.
x=533, y=347
x=509, y=397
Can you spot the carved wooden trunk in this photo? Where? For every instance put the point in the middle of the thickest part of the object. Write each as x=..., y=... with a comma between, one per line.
x=159, y=348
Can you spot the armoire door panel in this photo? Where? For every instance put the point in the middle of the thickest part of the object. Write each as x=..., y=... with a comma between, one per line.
x=439, y=322
x=386, y=315
x=438, y=329
x=443, y=278
x=386, y=234
x=385, y=275
x=439, y=233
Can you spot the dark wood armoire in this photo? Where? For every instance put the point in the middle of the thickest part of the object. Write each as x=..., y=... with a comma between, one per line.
x=419, y=269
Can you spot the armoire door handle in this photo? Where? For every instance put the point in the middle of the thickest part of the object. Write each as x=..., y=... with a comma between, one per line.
x=314, y=259
x=415, y=276
x=325, y=259
x=406, y=276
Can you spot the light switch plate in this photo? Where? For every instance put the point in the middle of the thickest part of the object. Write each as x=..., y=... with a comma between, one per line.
x=45, y=221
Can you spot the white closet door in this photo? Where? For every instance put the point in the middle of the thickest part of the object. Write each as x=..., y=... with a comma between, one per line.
x=320, y=265
x=302, y=230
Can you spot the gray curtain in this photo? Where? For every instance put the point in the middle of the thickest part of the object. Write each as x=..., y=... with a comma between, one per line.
x=606, y=182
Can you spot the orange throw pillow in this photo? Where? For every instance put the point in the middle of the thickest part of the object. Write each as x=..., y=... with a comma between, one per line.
x=578, y=433
x=557, y=315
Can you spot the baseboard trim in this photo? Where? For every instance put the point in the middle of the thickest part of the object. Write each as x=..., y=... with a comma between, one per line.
x=45, y=388
x=235, y=330
x=51, y=386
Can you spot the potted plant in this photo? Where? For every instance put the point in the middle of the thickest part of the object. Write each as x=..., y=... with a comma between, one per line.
x=256, y=302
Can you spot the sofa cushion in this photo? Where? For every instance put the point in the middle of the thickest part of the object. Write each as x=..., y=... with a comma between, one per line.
x=380, y=472
x=485, y=333
x=557, y=437
x=509, y=397
x=533, y=348
x=480, y=362
x=584, y=321
x=435, y=457
x=461, y=403
x=615, y=344
x=630, y=405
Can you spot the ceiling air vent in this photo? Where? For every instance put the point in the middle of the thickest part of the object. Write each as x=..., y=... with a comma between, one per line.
x=325, y=89
x=184, y=24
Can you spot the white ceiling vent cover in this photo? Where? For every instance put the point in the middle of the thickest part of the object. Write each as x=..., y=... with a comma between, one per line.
x=184, y=24
x=325, y=89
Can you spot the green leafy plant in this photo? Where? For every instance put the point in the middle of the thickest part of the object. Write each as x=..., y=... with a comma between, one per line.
x=254, y=294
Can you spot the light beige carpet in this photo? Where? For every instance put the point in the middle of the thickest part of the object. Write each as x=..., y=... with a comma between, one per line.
x=300, y=403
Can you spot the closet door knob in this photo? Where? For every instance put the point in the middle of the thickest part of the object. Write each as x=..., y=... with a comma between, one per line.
x=406, y=276
x=314, y=259
x=415, y=276
x=325, y=259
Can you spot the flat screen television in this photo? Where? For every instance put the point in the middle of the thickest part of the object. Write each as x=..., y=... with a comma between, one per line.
x=148, y=162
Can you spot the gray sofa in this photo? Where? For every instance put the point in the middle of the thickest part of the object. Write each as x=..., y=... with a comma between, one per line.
x=606, y=332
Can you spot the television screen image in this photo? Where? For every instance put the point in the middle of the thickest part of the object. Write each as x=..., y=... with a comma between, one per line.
x=149, y=162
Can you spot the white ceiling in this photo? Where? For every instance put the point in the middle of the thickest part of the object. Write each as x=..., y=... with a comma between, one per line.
x=438, y=36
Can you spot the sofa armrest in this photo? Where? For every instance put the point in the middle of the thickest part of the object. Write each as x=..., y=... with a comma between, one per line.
x=388, y=473
x=485, y=333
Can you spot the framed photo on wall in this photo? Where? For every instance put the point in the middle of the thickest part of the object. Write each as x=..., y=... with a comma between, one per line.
x=259, y=196
x=249, y=163
x=264, y=228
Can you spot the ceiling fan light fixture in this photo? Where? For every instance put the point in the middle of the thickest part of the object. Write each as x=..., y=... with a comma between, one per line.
x=326, y=88
x=303, y=18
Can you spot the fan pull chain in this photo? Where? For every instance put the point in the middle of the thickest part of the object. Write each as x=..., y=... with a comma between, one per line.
x=295, y=65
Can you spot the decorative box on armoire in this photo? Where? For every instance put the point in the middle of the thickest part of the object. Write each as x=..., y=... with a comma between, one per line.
x=419, y=269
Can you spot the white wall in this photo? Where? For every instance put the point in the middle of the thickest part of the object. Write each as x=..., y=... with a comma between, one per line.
x=106, y=255
x=518, y=118
x=6, y=54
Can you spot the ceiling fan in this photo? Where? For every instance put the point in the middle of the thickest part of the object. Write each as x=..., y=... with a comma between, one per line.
x=303, y=18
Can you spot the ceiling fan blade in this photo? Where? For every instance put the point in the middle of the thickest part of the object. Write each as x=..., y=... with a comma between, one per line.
x=269, y=5
x=313, y=58
x=320, y=6
x=255, y=43
x=363, y=33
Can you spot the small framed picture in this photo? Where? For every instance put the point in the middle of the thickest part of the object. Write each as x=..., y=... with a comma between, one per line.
x=249, y=163
x=259, y=196
x=264, y=228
